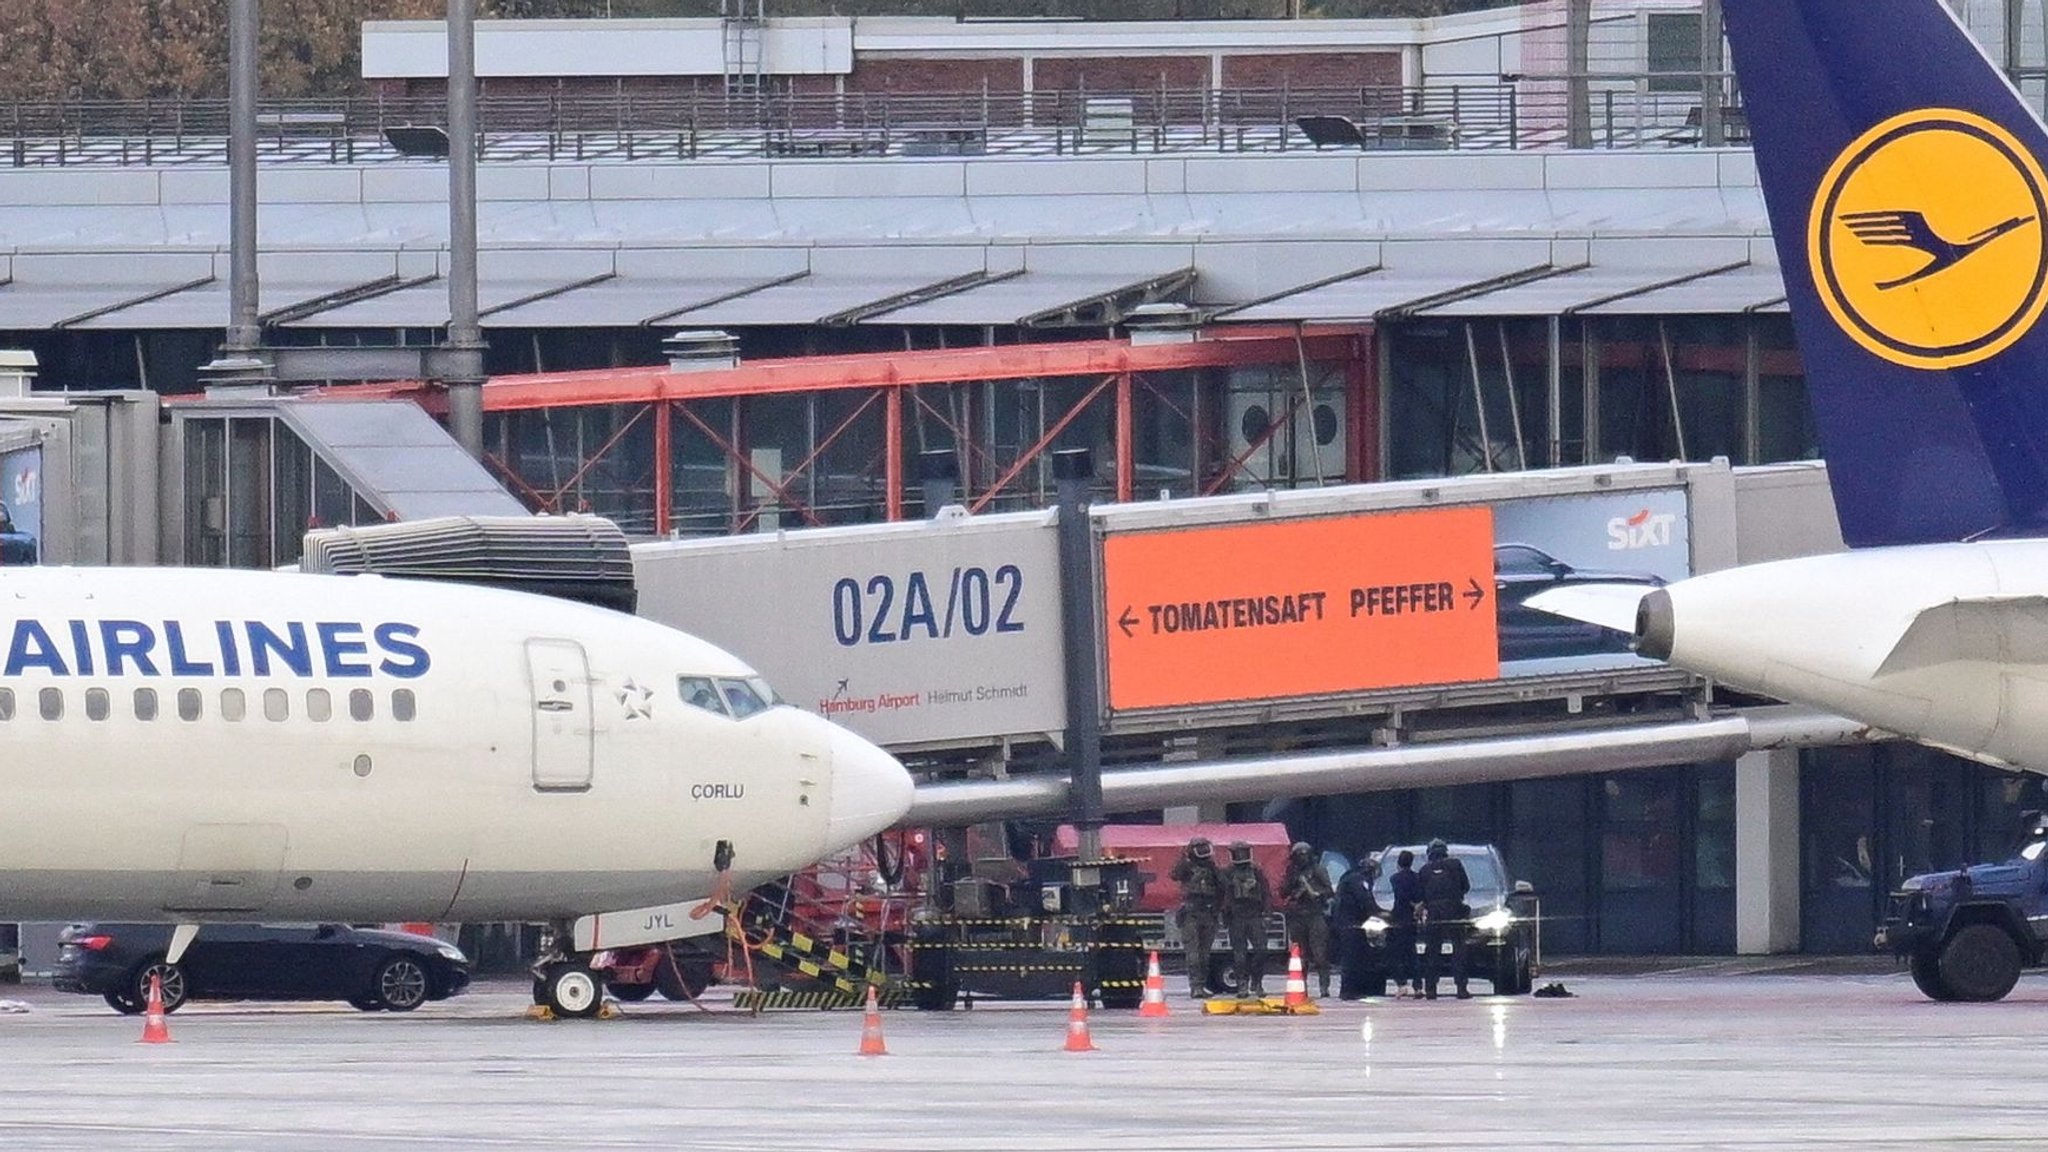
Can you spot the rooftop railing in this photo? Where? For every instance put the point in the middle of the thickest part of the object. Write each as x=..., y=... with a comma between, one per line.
x=628, y=126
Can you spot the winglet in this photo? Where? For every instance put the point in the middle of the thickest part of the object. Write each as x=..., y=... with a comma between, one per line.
x=1608, y=605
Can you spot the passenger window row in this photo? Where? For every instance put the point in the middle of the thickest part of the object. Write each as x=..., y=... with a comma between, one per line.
x=275, y=704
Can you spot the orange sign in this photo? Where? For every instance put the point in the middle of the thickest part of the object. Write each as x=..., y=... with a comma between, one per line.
x=1299, y=608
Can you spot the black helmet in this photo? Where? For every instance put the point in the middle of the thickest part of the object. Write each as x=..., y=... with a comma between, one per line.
x=1199, y=847
x=1240, y=852
x=1302, y=848
x=1438, y=849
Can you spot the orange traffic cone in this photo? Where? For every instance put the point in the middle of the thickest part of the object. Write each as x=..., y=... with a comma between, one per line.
x=1297, y=984
x=154, y=1030
x=1155, y=990
x=1077, y=1023
x=871, y=1028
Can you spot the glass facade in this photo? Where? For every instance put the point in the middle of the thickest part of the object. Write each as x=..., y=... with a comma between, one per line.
x=1643, y=863
x=1870, y=817
x=253, y=489
x=1495, y=395
x=1634, y=863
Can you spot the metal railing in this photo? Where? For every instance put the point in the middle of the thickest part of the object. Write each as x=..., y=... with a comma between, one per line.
x=625, y=126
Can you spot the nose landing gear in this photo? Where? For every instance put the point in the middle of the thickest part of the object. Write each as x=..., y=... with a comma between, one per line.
x=570, y=988
x=565, y=985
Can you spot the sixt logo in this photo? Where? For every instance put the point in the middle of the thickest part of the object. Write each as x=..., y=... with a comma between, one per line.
x=1645, y=529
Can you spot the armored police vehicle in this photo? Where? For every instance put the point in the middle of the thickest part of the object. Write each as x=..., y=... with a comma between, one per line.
x=1966, y=934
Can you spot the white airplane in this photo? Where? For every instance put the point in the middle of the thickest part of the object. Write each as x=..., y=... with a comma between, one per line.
x=200, y=746
x=1908, y=203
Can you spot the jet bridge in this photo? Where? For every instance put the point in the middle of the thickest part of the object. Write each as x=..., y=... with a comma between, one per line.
x=245, y=475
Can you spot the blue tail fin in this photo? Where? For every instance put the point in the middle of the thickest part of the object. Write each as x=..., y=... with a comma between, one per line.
x=1906, y=192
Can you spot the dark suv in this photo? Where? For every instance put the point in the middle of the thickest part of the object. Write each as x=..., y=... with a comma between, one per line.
x=1966, y=934
x=1502, y=936
x=371, y=969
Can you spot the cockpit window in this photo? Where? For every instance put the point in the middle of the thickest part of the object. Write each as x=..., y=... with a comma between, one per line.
x=698, y=692
x=742, y=698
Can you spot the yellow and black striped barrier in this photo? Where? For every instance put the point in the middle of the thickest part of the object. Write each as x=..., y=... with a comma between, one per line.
x=755, y=1000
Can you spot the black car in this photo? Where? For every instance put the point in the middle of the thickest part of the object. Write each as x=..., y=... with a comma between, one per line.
x=371, y=969
x=1521, y=571
x=1501, y=941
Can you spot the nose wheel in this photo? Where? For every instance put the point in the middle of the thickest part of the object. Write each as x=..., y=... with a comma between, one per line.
x=570, y=988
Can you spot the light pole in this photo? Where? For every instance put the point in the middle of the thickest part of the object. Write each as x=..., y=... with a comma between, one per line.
x=464, y=377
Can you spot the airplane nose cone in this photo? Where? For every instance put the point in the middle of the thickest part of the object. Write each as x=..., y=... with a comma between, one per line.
x=870, y=790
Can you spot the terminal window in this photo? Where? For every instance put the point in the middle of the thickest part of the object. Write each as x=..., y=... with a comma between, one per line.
x=1674, y=44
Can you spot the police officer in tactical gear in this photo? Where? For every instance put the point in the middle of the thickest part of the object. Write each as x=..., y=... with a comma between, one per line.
x=1402, y=920
x=1355, y=905
x=1247, y=898
x=1201, y=906
x=1444, y=885
x=1305, y=895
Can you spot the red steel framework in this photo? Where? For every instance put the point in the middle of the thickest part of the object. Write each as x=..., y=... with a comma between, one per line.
x=1121, y=369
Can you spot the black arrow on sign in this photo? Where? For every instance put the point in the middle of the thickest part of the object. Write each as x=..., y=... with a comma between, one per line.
x=1125, y=621
x=1475, y=593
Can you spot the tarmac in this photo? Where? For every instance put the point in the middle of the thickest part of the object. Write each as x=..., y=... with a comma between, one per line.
x=1685, y=1056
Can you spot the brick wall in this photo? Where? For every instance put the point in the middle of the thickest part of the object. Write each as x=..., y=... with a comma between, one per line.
x=1119, y=73
x=1313, y=70
x=897, y=74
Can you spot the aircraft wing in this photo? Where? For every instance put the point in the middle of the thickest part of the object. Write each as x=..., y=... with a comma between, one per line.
x=1608, y=605
x=2002, y=629
x=1328, y=773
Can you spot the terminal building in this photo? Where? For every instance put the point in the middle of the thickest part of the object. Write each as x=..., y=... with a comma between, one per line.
x=749, y=279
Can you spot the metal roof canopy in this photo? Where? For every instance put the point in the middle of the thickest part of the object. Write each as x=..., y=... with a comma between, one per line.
x=649, y=286
x=397, y=458
x=1044, y=299
x=289, y=283
x=846, y=285
x=628, y=302
x=1748, y=288
x=1408, y=274
x=60, y=290
x=1573, y=289
x=505, y=279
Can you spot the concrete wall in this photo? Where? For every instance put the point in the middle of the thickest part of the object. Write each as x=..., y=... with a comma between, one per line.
x=1783, y=511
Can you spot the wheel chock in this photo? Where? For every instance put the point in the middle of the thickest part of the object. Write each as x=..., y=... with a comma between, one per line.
x=539, y=1012
x=609, y=1010
x=1278, y=1006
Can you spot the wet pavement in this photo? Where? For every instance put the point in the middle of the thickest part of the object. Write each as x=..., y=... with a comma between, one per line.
x=1714, y=1057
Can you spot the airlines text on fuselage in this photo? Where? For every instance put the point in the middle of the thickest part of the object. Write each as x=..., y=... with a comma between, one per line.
x=342, y=649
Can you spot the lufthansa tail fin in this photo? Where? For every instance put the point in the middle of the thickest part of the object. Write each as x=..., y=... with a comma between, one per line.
x=1904, y=180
